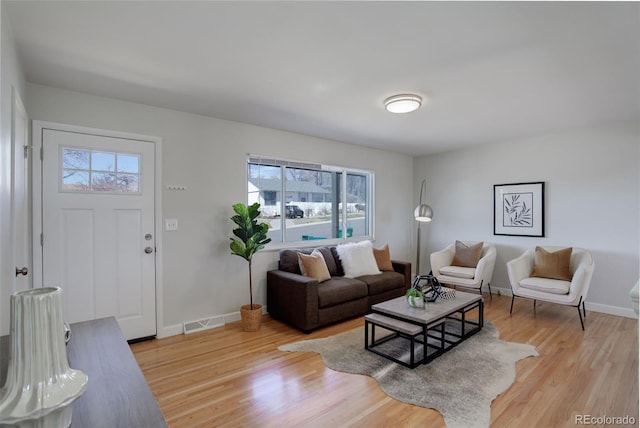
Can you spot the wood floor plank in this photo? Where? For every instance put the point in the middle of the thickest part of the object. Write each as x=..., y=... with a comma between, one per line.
x=225, y=377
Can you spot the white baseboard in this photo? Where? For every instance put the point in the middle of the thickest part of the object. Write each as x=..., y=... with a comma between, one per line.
x=595, y=307
x=170, y=330
x=232, y=317
x=176, y=329
x=611, y=310
x=235, y=316
x=500, y=291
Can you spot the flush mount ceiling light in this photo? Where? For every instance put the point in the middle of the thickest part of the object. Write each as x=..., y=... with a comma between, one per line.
x=404, y=103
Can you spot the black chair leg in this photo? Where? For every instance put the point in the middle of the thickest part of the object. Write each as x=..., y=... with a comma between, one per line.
x=580, y=315
x=513, y=296
x=490, y=294
x=534, y=304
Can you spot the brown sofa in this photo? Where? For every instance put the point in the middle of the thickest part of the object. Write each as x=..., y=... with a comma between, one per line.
x=304, y=303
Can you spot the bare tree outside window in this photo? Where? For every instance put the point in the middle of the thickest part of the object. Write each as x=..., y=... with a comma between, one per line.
x=95, y=171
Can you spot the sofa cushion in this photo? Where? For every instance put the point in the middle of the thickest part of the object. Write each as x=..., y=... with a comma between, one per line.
x=314, y=266
x=553, y=286
x=334, y=251
x=357, y=259
x=289, y=260
x=467, y=255
x=458, y=272
x=331, y=260
x=383, y=258
x=555, y=265
x=338, y=290
x=385, y=281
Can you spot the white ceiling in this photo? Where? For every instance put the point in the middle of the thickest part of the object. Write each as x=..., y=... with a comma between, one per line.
x=490, y=71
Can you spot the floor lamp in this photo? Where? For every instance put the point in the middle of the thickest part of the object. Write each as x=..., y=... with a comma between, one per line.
x=422, y=214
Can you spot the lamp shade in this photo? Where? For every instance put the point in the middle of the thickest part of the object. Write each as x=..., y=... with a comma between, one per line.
x=423, y=213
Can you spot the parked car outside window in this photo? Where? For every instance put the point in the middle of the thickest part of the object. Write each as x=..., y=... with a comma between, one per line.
x=293, y=211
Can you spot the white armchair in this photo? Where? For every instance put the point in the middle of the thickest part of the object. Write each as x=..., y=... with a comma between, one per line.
x=463, y=276
x=571, y=293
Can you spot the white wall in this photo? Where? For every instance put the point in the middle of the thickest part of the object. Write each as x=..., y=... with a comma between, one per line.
x=592, y=194
x=201, y=278
x=11, y=76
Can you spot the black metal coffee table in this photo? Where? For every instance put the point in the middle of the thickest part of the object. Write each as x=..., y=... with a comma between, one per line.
x=438, y=327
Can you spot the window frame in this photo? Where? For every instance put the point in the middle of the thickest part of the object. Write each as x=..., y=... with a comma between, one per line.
x=90, y=171
x=284, y=163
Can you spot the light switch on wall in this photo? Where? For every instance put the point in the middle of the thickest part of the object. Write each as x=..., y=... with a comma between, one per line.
x=170, y=224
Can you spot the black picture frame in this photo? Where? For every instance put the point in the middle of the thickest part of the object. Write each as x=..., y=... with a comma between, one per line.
x=518, y=209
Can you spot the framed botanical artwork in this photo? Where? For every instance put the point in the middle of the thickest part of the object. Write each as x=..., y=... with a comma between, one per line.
x=518, y=209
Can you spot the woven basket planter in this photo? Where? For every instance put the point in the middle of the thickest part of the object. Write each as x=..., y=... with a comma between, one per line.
x=251, y=317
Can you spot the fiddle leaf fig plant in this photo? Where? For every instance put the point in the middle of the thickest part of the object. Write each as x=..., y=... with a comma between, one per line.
x=251, y=236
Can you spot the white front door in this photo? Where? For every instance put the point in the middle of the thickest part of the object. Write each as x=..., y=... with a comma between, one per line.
x=98, y=228
x=19, y=195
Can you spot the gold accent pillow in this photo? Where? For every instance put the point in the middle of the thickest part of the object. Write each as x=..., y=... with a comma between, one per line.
x=554, y=265
x=314, y=266
x=383, y=258
x=467, y=255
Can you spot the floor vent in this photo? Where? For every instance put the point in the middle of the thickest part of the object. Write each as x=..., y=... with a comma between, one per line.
x=203, y=324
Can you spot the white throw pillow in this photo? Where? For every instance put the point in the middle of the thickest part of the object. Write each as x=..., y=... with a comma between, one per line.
x=358, y=259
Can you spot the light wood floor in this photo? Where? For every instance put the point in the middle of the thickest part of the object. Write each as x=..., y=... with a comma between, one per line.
x=228, y=378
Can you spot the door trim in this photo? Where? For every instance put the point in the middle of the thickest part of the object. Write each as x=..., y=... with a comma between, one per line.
x=37, y=139
x=17, y=108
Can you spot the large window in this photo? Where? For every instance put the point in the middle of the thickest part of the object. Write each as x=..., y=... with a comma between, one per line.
x=308, y=202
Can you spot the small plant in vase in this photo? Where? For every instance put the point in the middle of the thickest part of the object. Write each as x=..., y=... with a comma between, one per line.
x=415, y=298
x=251, y=237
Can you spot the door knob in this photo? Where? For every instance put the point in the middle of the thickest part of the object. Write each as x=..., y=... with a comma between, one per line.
x=148, y=250
x=24, y=271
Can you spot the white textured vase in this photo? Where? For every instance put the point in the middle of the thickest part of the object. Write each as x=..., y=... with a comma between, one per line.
x=415, y=302
x=39, y=379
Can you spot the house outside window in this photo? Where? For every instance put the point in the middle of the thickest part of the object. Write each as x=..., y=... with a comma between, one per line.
x=308, y=211
x=270, y=197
